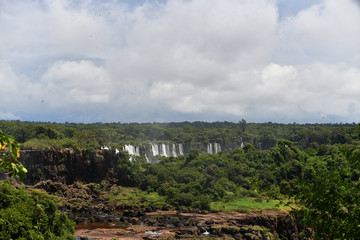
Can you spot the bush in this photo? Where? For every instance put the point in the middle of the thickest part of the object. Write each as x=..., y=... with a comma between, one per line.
x=31, y=216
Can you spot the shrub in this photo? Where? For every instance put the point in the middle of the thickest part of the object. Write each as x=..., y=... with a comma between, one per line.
x=31, y=216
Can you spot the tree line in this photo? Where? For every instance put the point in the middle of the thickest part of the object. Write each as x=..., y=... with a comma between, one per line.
x=229, y=134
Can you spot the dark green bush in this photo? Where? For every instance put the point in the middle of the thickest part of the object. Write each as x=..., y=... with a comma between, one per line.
x=31, y=216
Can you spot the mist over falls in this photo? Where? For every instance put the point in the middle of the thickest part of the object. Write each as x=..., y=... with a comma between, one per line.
x=152, y=151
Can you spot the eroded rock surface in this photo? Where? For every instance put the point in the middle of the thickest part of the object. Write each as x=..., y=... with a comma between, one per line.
x=96, y=218
x=66, y=166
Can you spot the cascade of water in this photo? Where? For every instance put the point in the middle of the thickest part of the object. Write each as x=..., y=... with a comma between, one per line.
x=164, y=150
x=147, y=159
x=137, y=151
x=129, y=149
x=217, y=148
x=213, y=148
x=167, y=150
x=181, y=149
x=209, y=148
x=154, y=149
x=132, y=150
x=174, y=150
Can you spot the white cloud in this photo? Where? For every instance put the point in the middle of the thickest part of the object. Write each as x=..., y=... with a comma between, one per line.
x=202, y=33
x=328, y=31
x=8, y=116
x=212, y=59
x=53, y=29
x=332, y=24
x=275, y=79
x=8, y=80
x=81, y=82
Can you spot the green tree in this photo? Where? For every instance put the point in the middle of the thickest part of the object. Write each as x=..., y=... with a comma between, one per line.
x=9, y=153
x=330, y=196
x=31, y=216
x=242, y=124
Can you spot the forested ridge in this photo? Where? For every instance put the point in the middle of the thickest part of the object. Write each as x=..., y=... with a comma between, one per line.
x=314, y=168
x=230, y=135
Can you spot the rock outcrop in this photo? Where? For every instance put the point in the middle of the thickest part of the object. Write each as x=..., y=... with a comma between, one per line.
x=66, y=166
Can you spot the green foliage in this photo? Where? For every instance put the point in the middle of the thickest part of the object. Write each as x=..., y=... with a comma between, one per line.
x=134, y=197
x=248, y=203
x=31, y=216
x=9, y=152
x=330, y=196
x=216, y=177
x=191, y=134
x=36, y=143
x=317, y=164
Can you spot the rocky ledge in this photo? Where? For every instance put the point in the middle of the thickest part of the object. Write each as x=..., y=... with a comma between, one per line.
x=97, y=219
x=174, y=224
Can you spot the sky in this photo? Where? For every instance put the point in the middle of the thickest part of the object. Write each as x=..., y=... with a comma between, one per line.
x=180, y=60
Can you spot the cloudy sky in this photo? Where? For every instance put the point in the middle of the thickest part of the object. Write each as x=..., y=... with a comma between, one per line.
x=176, y=60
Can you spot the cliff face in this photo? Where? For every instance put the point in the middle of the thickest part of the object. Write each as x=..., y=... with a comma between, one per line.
x=66, y=166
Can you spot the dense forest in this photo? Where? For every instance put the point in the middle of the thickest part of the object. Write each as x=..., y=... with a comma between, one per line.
x=230, y=135
x=314, y=168
x=322, y=180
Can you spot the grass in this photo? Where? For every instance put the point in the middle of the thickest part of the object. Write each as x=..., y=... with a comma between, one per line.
x=134, y=197
x=248, y=204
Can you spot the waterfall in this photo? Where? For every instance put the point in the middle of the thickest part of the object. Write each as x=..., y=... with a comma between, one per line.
x=181, y=149
x=132, y=150
x=154, y=149
x=174, y=150
x=137, y=151
x=129, y=149
x=217, y=148
x=164, y=150
x=167, y=148
x=213, y=148
x=209, y=148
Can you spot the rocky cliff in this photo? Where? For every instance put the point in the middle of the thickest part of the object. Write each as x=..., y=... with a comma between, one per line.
x=66, y=166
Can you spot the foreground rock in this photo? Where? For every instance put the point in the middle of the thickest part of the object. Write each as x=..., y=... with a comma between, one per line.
x=96, y=218
x=172, y=224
